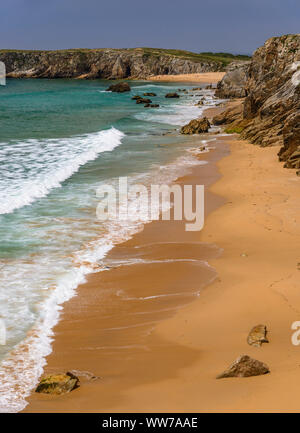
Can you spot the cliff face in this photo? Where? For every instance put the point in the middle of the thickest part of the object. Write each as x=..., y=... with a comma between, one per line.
x=103, y=63
x=271, y=109
x=233, y=84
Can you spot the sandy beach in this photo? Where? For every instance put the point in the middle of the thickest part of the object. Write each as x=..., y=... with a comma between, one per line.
x=141, y=339
x=205, y=77
x=150, y=211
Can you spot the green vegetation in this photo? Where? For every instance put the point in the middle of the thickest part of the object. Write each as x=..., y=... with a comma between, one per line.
x=226, y=57
x=223, y=58
x=234, y=130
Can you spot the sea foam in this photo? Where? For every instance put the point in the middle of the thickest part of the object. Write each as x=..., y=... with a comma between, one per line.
x=41, y=165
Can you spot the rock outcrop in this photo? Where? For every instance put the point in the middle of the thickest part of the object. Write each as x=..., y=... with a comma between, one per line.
x=233, y=84
x=270, y=113
x=143, y=101
x=119, y=87
x=257, y=336
x=138, y=63
x=196, y=126
x=244, y=366
x=172, y=95
x=58, y=384
x=232, y=114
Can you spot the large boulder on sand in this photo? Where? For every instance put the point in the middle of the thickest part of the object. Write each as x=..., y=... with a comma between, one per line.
x=257, y=336
x=58, y=384
x=196, y=126
x=244, y=366
x=119, y=87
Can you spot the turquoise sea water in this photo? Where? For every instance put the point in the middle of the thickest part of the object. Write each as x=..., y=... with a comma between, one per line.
x=60, y=140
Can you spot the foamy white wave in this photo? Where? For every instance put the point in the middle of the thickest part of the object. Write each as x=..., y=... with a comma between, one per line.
x=40, y=165
x=172, y=115
x=21, y=369
x=179, y=113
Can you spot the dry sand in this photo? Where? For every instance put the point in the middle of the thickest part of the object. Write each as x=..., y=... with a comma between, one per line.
x=163, y=354
x=205, y=77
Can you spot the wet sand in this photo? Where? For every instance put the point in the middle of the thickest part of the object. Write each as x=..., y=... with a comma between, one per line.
x=205, y=77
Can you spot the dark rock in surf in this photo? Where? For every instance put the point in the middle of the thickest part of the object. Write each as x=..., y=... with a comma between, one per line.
x=172, y=95
x=119, y=87
x=196, y=126
x=143, y=101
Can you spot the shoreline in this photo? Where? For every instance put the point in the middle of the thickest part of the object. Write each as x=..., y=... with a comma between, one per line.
x=162, y=251
x=257, y=226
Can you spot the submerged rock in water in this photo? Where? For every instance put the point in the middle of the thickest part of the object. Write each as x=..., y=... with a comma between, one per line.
x=58, y=384
x=244, y=366
x=257, y=336
x=196, y=126
x=119, y=87
x=136, y=97
x=150, y=94
x=143, y=101
x=172, y=95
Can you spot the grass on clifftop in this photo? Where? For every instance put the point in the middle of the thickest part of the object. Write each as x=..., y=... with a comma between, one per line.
x=222, y=58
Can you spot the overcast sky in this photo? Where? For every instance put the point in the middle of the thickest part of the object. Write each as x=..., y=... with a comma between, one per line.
x=236, y=26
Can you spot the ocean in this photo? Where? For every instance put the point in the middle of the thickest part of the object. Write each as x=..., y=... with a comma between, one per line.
x=59, y=141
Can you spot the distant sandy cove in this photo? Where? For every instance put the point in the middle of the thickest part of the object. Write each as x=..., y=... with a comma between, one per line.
x=205, y=77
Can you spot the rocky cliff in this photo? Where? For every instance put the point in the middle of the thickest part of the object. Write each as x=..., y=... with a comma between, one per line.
x=270, y=113
x=138, y=63
x=233, y=84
